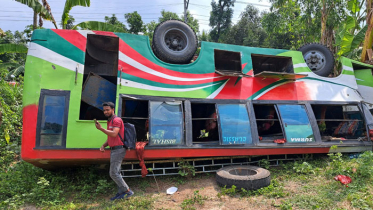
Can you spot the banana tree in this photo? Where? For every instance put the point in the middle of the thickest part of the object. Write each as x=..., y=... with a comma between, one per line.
x=69, y=4
x=45, y=12
x=18, y=68
x=40, y=10
x=347, y=40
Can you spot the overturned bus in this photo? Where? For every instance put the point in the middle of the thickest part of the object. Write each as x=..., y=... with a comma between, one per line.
x=231, y=102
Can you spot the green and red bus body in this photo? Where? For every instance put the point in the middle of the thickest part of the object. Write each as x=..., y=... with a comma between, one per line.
x=169, y=102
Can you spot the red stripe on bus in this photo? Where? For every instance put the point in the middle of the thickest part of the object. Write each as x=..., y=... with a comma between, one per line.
x=288, y=91
x=30, y=116
x=130, y=52
x=82, y=154
x=74, y=37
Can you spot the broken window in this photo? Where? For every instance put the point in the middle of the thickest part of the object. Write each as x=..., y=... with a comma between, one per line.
x=166, y=123
x=296, y=124
x=136, y=112
x=269, y=127
x=204, y=123
x=271, y=63
x=340, y=122
x=52, y=118
x=235, y=124
x=100, y=75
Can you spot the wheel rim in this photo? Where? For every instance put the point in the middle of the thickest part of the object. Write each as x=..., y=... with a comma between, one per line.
x=242, y=172
x=315, y=60
x=175, y=40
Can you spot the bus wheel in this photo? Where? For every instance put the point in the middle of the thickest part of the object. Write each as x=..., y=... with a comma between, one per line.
x=174, y=42
x=243, y=176
x=318, y=58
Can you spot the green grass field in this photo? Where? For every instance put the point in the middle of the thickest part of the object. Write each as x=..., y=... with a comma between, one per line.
x=306, y=184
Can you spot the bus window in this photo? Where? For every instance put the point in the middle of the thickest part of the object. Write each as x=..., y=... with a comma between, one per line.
x=100, y=75
x=269, y=127
x=166, y=123
x=337, y=122
x=204, y=123
x=296, y=124
x=235, y=124
x=52, y=119
x=136, y=112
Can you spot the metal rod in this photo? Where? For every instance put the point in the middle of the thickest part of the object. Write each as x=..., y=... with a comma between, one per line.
x=76, y=73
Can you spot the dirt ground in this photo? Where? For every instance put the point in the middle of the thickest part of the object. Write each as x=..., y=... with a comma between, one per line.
x=207, y=188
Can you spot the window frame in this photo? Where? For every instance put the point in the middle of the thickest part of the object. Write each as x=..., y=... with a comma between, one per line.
x=132, y=118
x=217, y=120
x=283, y=127
x=219, y=124
x=184, y=107
x=43, y=93
x=362, y=113
x=310, y=115
x=182, y=126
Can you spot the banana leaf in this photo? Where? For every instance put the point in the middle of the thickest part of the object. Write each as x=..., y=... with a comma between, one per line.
x=16, y=72
x=69, y=4
x=12, y=48
x=98, y=26
x=37, y=7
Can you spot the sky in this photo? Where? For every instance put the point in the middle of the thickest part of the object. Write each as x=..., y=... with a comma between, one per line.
x=16, y=16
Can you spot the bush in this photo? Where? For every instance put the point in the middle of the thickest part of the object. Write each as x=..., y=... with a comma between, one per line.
x=10, y=120
x=365, y=165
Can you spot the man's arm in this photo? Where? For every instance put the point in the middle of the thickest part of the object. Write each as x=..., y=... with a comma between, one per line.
x=110, y=133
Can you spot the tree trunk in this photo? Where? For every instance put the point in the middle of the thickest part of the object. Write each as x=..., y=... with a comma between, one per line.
x=35, y=22
x=324, y=17
x=368, y=7
x=369, y=34
x=46, y=5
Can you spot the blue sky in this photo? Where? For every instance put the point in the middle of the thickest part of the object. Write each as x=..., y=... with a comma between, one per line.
x=15, y=16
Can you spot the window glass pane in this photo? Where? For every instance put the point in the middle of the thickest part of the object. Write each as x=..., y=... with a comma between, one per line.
x=166, y=120
x=53, y=115
x=52, y=121
x=50, y=140
x=296, y=124
x=235, y=124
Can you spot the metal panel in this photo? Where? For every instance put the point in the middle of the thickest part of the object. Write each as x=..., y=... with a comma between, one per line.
x=97, y=90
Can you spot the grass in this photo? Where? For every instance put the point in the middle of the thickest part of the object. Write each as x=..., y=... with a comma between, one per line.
x=303, y=185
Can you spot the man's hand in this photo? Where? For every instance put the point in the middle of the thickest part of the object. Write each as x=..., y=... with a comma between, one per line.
x=98, y=125
x=102, y=148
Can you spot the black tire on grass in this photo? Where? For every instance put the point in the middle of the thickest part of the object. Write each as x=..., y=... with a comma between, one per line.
x=243, y=176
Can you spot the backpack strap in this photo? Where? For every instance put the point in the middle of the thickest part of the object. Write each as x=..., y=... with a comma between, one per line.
x=119, y=132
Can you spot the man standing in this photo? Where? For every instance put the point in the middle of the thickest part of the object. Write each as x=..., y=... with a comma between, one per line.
x=114, y=131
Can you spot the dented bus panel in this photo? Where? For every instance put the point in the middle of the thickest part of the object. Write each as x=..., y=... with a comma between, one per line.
x=232, y=101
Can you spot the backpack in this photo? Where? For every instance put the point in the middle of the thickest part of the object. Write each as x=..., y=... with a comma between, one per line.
x=129, y=140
